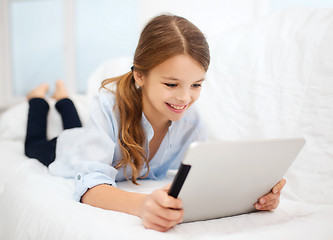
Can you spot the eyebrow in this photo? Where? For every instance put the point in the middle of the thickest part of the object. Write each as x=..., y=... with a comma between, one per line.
x=176, y=79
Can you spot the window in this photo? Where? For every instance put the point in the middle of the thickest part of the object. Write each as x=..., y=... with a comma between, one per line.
x=37, y=43
x=62, y=39
x=103, y=31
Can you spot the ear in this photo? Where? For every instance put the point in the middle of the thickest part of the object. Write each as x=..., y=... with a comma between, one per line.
x=139, y=78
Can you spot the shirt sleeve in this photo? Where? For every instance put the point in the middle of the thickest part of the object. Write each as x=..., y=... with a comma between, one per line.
x=94, y=164
x=92, y=153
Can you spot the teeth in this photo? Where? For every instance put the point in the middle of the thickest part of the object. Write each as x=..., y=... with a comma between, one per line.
x=177, y=107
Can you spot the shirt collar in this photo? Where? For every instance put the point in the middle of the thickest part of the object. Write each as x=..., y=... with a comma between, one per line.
x=149, y=131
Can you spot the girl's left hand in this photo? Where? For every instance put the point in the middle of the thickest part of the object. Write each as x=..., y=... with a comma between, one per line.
x=271, y=200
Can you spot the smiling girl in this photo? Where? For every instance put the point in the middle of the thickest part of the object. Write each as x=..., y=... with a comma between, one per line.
x=140, y=130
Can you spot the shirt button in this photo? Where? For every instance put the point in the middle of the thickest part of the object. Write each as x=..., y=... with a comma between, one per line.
x=78, y=177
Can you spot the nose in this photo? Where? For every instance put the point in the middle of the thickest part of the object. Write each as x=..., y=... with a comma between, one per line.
x=183, y=96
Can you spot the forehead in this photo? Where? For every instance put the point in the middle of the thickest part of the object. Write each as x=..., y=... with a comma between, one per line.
x=181, y=67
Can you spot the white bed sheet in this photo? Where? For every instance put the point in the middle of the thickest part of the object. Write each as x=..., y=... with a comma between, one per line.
x=36, y=205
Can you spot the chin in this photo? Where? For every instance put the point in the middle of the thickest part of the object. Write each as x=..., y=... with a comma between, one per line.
x=176, y=118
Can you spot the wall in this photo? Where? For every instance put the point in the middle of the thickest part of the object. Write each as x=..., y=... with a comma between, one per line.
x=277, y=5
x=211, y=16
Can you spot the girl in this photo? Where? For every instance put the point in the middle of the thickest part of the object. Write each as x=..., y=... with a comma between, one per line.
x=141, y=129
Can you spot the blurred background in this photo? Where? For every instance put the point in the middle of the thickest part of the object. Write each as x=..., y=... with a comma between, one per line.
x=45, y=40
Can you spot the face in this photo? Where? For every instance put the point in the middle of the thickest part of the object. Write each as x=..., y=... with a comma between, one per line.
x=170, y=88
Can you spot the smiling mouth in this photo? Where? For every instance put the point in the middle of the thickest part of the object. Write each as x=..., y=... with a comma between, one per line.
x=177, y=107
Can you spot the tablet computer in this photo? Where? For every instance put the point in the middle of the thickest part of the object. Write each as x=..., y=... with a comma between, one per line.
x=226, y=178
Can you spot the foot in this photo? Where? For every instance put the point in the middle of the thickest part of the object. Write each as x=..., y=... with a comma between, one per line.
x=38, y=92
x=60, y=91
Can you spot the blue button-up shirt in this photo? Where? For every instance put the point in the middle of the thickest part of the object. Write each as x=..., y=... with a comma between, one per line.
x=89, y=154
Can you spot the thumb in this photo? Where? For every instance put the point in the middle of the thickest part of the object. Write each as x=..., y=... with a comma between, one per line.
x=167, y=187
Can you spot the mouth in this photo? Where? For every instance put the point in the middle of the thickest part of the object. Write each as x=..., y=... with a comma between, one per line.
x=177, y=108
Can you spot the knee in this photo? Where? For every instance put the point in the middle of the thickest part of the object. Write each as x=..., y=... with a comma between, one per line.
x=43, y=151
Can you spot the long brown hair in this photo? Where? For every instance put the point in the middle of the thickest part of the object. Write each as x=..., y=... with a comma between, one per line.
x=164, y=36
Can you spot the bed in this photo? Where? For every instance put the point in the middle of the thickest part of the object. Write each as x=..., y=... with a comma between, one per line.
x=271, y=78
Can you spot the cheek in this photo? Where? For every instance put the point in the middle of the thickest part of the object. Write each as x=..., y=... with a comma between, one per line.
x=158, y=95
x=163, y=95
x=196, y=95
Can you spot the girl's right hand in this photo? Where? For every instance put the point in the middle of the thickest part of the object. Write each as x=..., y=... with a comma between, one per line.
x=161, y=211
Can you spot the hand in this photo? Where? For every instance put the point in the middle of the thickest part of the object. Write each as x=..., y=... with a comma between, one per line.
x=271, y=200
x=161, y=211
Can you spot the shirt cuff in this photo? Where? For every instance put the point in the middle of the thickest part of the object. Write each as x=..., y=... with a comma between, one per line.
x=89, y=180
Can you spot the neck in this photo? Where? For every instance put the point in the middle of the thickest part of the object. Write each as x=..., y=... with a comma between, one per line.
x=158, y=125
x=158, y=122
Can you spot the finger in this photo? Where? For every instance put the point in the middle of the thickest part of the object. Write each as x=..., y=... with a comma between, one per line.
x=278, y=187
x=155, y=227
x=166, y=201
x=269, y=197
x=263, y=205
x=167, y=187
x=153, y=206
x=162, y=222
x=164, y=212
x=170, y=214
x=268, y=207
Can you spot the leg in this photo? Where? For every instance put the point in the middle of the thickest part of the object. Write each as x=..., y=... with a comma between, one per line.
x=36, y=144
x=69, y=115
x=66, y=108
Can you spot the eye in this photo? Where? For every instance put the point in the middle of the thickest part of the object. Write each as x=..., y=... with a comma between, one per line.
x=196, y=85
x=171, y=85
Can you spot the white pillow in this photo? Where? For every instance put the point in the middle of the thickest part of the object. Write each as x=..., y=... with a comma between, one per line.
x=13, y=122
x=112, y=68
